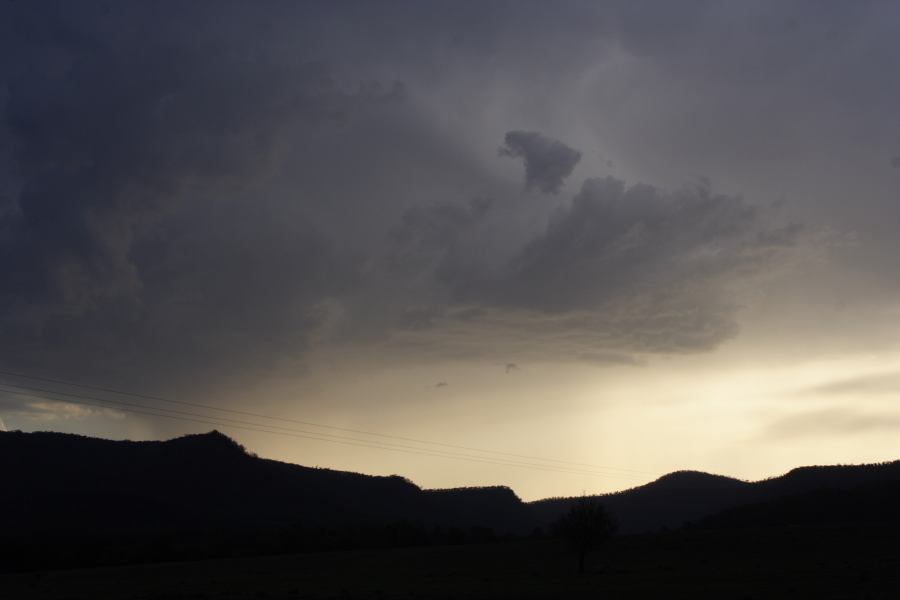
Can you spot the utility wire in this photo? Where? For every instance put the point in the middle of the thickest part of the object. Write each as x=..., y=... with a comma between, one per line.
x=241, y=427
x=250, y=426
x=118, y=404
x=311, y=424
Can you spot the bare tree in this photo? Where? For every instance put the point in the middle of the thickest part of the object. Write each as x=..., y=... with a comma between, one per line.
x=585, y=526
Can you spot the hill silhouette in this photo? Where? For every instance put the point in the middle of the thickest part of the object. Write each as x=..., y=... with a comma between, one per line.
x=64, y=481
x=688, y=496
x=849, y=498
x=71, y=500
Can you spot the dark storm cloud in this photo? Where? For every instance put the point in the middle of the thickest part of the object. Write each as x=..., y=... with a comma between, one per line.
x=114, y=142
x=428, y=234
x=615, y=238
x=202, y=191
x=621, y=270
x=547, y=161
x=140, y=241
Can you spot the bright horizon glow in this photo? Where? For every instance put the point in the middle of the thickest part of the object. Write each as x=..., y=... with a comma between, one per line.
x=641, y=427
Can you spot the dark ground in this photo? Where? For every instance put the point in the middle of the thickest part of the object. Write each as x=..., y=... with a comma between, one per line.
x=771, y=563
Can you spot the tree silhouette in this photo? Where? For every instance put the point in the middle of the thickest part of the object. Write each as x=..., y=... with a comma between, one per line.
x=585, y=526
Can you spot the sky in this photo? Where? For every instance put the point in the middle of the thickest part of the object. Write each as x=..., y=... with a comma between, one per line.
x=561, y=246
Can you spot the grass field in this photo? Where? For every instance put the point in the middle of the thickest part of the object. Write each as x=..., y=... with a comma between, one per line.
x=782, y=563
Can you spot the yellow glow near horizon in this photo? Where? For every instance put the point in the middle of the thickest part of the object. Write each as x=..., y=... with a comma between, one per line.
x=725, y=416
x=720, y=412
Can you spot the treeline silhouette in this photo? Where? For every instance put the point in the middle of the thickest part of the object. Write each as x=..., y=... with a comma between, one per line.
x=70, y=501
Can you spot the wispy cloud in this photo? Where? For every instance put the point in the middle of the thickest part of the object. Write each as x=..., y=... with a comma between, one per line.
x=832, y=421
x=41, y=409
x=871, y=384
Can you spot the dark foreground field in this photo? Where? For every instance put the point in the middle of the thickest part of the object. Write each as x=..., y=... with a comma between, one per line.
x=774, y=563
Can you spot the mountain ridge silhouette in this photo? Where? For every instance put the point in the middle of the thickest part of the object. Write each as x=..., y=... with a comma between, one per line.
x=77, y=490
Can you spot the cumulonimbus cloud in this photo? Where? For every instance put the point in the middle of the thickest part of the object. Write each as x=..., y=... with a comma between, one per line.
x=208, y=199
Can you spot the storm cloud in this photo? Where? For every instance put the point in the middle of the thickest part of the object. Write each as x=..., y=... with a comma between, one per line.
x=206, y=193
x=620, y=270
x=141, y=237
x=547, y=161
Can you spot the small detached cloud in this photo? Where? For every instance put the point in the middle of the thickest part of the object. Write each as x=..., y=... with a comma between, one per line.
x=511, y=367
x=547, y=161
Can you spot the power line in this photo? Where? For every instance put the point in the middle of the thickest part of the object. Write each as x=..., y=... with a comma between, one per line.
x=245, y=428
x=312, y=424
x=257, y=427
x=118, y=404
